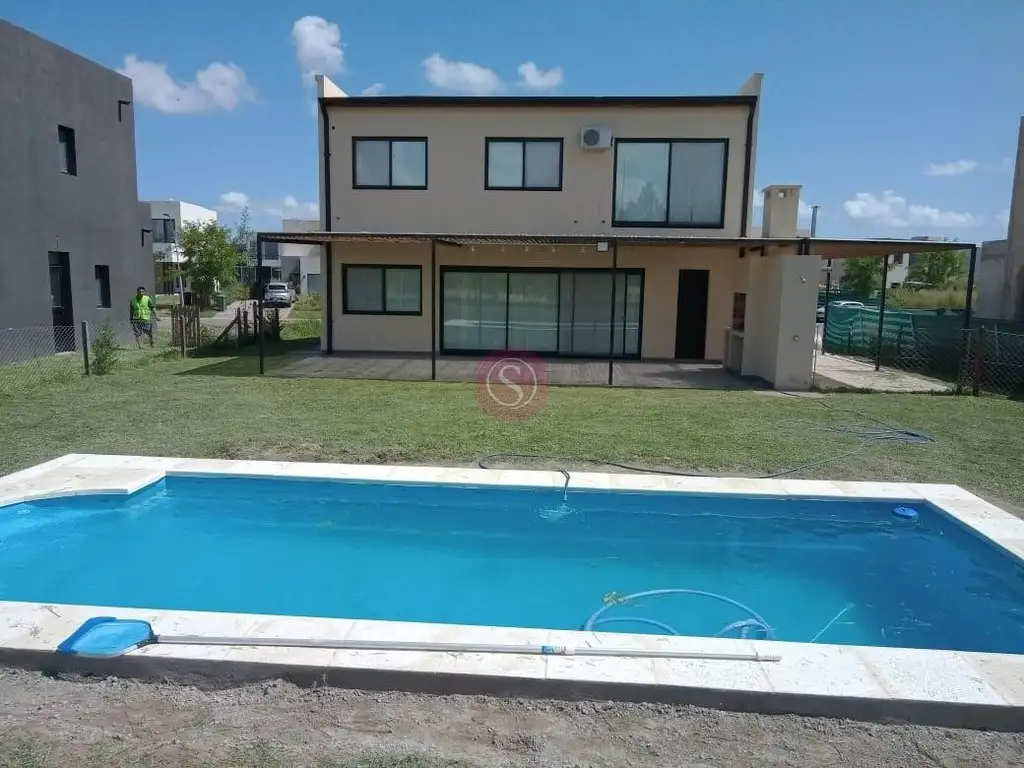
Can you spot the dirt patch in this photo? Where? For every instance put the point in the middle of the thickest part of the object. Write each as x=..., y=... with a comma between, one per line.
x=112, y=722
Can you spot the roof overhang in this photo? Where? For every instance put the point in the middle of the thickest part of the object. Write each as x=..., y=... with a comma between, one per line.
x=589, y=102
x=831, y=248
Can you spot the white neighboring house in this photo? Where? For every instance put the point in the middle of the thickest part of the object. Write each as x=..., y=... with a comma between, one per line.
x=300, y=264
x=167, y=218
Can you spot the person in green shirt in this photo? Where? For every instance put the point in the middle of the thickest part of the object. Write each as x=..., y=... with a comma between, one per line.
x=143, y=312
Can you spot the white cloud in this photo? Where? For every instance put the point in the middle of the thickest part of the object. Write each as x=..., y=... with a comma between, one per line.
x=318, y=47
x=894, y=211
x=373, y=90
x=531, y=76
x=290, y=208
x=954, y=168
x=233, y=202
x=1003, y=217
x=287, y=207
x=218, y=86
x=461, y=76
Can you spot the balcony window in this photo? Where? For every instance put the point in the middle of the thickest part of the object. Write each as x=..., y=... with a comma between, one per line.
x=670, y=183
x=524, y=164
x=163, y=230
x=389, y=163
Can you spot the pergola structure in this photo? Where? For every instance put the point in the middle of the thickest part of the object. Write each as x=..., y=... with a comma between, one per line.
x=826, y=248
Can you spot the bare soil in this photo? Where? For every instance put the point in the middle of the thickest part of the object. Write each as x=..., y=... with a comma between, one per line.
x=47, y=721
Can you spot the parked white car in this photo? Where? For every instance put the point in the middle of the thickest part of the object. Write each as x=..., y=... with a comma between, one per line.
x=844, y=303
x=279, y=295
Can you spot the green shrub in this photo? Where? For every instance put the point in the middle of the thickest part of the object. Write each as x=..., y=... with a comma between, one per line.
x=928, y=298
x=311, y=302
x=105, y=351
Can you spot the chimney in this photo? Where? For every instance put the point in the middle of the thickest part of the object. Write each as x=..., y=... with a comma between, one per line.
x=779, y=214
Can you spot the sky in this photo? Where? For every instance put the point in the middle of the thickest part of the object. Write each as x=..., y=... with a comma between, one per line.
x=898, y=118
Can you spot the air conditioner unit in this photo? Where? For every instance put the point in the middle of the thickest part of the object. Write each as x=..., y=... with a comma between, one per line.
x=595, y=137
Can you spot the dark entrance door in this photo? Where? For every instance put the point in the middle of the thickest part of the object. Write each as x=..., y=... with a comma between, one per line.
x=692, y=314
x=60, y=302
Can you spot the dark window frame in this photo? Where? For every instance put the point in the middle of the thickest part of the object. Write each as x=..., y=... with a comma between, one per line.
x=667, y=224
x=345, y=310
x=523, y=141
x=66, y=139
x=641, y=272
x=391, y=162
x=161, y=225
x=101, y=273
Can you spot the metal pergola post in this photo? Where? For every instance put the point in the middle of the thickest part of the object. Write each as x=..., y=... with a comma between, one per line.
x=434, y=330
x=881, y=312
x=611, y=321
x=969, y=302
x=258, y=320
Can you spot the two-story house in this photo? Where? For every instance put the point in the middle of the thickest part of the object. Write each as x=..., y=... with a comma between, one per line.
x=167, y=219
x=593, y=227
x=72, y=230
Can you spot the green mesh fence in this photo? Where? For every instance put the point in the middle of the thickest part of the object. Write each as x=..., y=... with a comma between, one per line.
x=989, y=354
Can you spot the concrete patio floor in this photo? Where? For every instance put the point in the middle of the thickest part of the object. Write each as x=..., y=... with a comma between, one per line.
x=626, y=373
x=836, y=371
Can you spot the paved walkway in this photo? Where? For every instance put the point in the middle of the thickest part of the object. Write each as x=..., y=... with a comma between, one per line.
x=627, y=373
x=228, y=314
x=835, y=371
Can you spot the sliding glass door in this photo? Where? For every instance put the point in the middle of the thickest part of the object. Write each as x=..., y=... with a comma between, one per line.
x=548, y=311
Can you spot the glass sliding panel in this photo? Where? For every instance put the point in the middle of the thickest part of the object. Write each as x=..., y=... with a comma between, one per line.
x=533, y=311
x=408, y=164
x=697, y=182
x=592, y=314
x=505, y=164
x=641, y=181
x=632, y=319
x=402, y=290
x=474, y=310
x=566, y=290
x=363, y=289
x=618, y=330
x=372, y=163
x=543, y=164
x=461, y=296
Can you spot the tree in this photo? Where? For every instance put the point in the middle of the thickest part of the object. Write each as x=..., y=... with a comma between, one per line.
x=936, y=270
x=862, y=276
x=210, y=257
x=244, y=239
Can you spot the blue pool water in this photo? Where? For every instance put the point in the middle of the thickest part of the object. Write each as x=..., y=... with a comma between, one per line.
x=515, y=557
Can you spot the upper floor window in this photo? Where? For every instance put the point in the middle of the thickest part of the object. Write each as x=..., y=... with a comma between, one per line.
x=67, y=157
x=669, y=183
x=102, y=274
x=163, y=230
x=393, y=163
x=524, y=164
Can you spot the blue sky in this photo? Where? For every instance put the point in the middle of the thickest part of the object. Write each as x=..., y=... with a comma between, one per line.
x=899, y=118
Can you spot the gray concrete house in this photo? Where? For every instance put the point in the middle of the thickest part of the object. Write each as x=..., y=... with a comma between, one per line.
x=74, y=239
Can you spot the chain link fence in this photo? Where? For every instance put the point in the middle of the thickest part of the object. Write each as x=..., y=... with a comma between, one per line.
x=33, y=357
x=987, y=357
x=992, y=362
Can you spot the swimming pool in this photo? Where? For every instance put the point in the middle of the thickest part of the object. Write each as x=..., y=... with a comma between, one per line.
x=838, y=570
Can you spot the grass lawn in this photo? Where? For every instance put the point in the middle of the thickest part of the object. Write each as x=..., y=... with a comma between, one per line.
x=216, y=407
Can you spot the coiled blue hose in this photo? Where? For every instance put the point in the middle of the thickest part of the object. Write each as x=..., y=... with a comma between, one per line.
x=595, y=618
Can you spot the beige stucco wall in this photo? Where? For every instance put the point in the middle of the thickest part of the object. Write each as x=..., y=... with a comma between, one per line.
x=661, y=267
x=456, y=201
